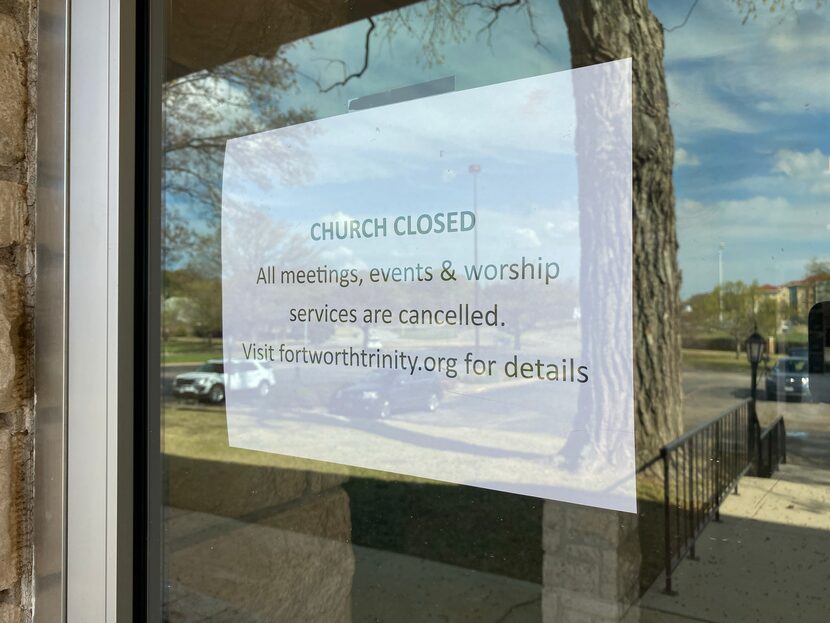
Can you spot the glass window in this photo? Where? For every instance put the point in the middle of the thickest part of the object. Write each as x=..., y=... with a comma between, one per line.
x=724, y=233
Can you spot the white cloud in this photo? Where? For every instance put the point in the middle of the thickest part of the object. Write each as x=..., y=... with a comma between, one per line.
x=767, y=238
x=694, y=106
x=339, y=253
x=683, y=158
x=343, y=257
x=562, y=228
x=762, y=222
x=337, y=216
x=509, y=231
x=527, y=237
x=785, y=172
x=773, y=62
x=686, y=43
x=811, y=168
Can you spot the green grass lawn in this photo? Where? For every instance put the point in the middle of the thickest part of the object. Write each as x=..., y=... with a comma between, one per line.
x=719, y=360
x=201, y=432
x=189, y=350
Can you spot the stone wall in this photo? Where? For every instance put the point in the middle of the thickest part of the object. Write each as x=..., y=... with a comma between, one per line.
x=249, y=541
x=18, y=33
x=591, y=566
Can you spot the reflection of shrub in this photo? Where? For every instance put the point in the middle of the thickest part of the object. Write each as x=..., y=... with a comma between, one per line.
x=306, y=397
x=480, y=529
x=315, y=332
x=179, y=316
x=207, y=333
x=423, y=333
x=723, y=342
x=319, y=333
x=298, y=396
x=482, y=379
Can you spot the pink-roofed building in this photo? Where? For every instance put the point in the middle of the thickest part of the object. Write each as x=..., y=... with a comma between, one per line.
x=801, y=294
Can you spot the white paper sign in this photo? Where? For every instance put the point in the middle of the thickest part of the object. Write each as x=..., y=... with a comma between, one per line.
x=441, y=288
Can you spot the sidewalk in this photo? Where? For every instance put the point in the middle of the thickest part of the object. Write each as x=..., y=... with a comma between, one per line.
x=767, y=560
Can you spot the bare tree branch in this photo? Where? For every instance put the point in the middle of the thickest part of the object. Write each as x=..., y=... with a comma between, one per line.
x=749, y=8
x=685, y=19
x=495, y=8
x=356, y=74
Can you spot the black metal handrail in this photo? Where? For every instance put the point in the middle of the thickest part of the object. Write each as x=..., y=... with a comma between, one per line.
x=772, y=448
x=700, y=468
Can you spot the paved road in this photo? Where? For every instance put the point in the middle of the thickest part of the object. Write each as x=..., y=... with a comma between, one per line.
x=707, y=394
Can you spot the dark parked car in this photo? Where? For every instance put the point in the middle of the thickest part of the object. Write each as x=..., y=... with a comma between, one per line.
x=789, y=377
x=384, y=392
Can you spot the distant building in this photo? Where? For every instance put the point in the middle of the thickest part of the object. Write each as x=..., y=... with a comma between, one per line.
x=802, y=294
x=779, y=293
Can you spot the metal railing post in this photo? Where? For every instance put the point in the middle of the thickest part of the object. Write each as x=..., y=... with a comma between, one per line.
x=667, y=518
x=718, y=474
x=736, y=426
x=692, y=496
x=706, y=463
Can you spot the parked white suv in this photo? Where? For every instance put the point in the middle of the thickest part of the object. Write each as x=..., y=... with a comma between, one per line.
x=208, y=381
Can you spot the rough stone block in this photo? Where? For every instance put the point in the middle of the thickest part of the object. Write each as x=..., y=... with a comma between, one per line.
x=296, y=565
x=591, y=563
x=574, y=616
x=13, y=93
x=8, y=538
x=10, y=614
x=550, y=606
x=583, y=553
x=620, y=571
x=229, y=489
x=597, y=526
x=553, y=524
x=595, y=609
x=12, y=213
x=572, y=574
x=10, y=310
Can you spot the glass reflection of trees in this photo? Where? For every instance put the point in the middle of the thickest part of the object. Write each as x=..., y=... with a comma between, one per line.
x=248, y=95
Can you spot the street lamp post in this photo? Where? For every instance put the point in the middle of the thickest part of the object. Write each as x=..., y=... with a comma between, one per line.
x=475, y=169
x=755, y=346
x=720, y=282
